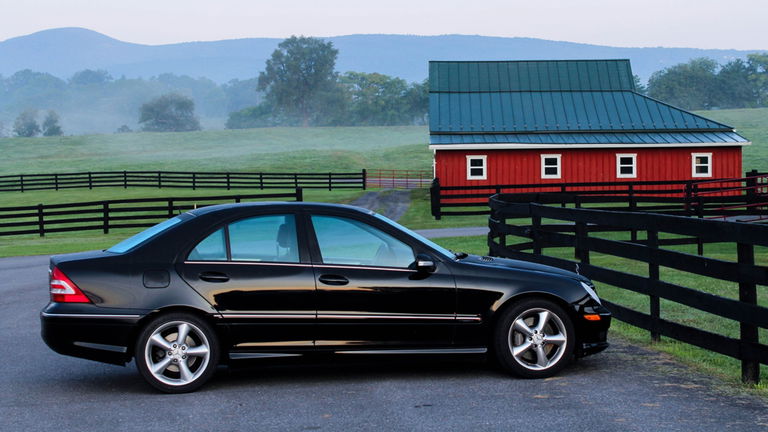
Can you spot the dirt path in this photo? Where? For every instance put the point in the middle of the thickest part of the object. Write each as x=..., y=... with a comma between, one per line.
x=392, y=203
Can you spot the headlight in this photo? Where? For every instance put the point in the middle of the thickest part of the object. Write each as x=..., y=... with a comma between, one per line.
x=591, y=292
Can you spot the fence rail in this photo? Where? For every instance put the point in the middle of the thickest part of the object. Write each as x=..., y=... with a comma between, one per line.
x=713, y=198
x=575, y=232
x=183, y=179
x=392, y=178
x=103, y=216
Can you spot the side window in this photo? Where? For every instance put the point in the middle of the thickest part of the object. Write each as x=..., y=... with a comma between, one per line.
x=702, y=164
x=264, y=238
x=626, y=165
x=550, y=166
x=212, y=248
x=350, y=242
x=476, y=167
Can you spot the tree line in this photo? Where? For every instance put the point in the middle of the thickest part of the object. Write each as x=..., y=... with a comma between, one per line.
x=299, y=86
x=703, y=84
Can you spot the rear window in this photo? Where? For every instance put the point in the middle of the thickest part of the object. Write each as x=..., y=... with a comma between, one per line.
x=132, y=242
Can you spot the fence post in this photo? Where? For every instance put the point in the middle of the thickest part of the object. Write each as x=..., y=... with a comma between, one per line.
x=159, y=180
x=365, y=178
x=582, y=233
x=125, y=179
x=751, y=195
x=299, y=194
x=688, y=198
x=21, y=182
x=228, y=181
x=194, y=181
x=105, y=207
x=750, y=365
x=535, y=229
x=170, y=207
x=40, y=220
x=261, y=180
x=653, y=278
x=632, y=208
x=55, y=182
x=700, y=214
x=90, y=180
x=330, y=180
x=434, y=198
x=296, y=180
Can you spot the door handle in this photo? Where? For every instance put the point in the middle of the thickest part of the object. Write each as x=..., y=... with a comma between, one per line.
x=333, y=280
x=214, y=277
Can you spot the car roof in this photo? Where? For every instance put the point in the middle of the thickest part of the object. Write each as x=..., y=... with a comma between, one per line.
x=276, y=205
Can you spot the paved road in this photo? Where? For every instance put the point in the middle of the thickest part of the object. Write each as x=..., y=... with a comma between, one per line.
x=625, y=388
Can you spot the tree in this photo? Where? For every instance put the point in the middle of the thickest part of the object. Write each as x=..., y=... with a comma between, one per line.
x=376, y=99
x=89, y=77
x=735, y=89
x=170, y=112
x=639, y=86
x=51, y=126
x=26, y=124
x=758, y=64
x=691, y=85
x=299, y=76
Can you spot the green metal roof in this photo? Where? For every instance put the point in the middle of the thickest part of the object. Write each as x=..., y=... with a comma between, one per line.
x=591, y=138
x=552, y=97
x=542, y=75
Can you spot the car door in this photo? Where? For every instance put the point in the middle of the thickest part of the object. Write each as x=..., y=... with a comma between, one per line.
x=256, y=272
x=369, y=293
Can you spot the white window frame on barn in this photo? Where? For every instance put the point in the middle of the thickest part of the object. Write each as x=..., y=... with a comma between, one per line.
x=695, y=164
x=544, y=167
x=483, y=167
x=620, y=165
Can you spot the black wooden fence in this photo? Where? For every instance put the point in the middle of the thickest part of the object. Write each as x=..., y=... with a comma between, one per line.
x=106, y=215
x=180, y=179
x=748, y=195
x=574, y=232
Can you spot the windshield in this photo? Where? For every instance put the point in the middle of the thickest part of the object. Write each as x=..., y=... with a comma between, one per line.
x=132, y=242
x=447, y=253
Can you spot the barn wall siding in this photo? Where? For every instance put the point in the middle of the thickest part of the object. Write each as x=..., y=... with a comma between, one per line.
x=584, y=165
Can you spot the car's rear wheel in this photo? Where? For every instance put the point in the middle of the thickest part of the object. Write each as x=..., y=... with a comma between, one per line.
x=177, y=352
x=535, y=338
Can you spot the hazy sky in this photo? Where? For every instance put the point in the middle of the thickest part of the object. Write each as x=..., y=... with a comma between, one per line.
x=682, y=23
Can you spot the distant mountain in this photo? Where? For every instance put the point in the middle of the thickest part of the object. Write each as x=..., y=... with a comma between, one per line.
x=65, y=51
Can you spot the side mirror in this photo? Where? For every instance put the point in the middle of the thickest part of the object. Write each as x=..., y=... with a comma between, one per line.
x=425, y=263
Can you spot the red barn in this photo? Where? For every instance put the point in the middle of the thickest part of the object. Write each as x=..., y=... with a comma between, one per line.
x=565, y=121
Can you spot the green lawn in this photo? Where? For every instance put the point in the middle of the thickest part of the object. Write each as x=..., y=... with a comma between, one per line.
x=267, y=149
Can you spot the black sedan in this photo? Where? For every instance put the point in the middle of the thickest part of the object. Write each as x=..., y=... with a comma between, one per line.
x=246, y=281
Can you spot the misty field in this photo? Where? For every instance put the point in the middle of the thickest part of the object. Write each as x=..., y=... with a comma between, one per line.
x=267, y=149
x=278, y=149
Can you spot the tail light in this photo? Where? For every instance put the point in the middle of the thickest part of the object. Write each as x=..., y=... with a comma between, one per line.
x=63, y=290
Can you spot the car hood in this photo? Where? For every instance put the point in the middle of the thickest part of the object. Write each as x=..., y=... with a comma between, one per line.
x=496, y=262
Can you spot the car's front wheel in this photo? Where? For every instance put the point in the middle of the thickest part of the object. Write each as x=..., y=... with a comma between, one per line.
x=177, y=352
x=535, y=338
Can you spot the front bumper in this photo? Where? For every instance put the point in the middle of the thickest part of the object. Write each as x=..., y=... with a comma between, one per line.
x=89, y=332
x=592, y=333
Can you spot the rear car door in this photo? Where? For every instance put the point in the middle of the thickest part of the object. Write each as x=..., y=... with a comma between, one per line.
x=369, y=293
x=256, y=272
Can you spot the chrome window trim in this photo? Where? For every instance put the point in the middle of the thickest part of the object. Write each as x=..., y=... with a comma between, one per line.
x=255, y=263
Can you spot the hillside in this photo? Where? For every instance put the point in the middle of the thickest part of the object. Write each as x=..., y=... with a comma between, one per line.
x=279, y=149
x=65, y=51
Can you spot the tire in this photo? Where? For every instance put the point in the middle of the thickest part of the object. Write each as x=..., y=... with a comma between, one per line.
x=540, y=344
x=170, y=364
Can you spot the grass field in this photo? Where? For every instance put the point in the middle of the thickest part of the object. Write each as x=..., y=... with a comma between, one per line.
x=268, y=149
